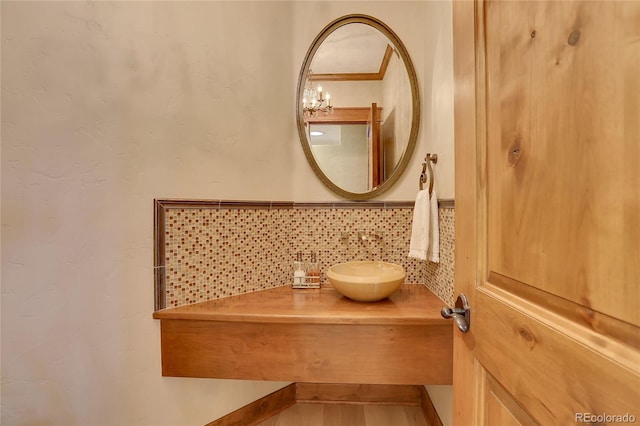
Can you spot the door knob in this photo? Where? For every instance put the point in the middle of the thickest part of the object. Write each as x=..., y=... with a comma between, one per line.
x=461, y=314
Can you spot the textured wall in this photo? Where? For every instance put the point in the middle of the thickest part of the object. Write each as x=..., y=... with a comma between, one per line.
x=104, y=107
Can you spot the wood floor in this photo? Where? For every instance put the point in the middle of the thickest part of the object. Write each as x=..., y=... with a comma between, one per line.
x=318, y=414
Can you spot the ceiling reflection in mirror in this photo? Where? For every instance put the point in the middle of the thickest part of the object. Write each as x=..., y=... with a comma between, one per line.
x=358, y=107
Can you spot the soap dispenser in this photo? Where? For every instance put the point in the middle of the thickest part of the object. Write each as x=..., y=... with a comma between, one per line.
x=299, y=272
x=313, y=272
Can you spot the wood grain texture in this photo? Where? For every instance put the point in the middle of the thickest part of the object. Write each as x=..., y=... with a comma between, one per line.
x=548, y=210
x=355, y=76
x=261, y=409
x=501, y=408
x=342, y=115
x=562, y=261
x=548, y=371
x=467, y=187
x=324, y=353
x=299, y=414
x=563, y=150
x=341, y=392
x=310, y=336
x=428, y=409
x=337, y=404
x=348, y=415
x=411, y=304
x=373, y=147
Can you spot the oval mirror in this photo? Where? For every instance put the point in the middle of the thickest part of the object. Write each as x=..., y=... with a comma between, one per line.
x=358, y=107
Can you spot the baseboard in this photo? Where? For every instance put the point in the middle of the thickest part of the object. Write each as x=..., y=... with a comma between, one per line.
x=259, y=410
x=428, y=410
x=358, y=394
x=270, y=405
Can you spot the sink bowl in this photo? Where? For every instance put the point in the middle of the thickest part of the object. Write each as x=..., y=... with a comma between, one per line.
x=366, y=281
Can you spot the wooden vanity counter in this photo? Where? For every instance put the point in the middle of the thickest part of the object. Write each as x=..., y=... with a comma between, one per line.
x=314, y=335
x=412, y=304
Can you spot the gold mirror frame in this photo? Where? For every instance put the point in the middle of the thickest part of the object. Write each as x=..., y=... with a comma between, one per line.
x=415, y=121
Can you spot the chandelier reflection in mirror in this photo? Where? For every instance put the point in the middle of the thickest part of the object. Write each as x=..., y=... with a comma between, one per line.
x=314, y=100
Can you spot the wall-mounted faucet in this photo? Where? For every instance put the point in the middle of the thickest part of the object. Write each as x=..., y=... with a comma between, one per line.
x=366, y=236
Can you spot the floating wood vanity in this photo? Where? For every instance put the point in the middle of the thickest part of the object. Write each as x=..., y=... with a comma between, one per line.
x=310, y=336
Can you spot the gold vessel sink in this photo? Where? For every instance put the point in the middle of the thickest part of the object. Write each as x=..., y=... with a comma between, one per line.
x=366, y=281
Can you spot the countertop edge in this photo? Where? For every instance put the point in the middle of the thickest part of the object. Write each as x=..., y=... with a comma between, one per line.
x=316, y=316
x=297, y=319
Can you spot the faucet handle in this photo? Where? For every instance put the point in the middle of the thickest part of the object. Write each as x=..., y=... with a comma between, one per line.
x=364, y=236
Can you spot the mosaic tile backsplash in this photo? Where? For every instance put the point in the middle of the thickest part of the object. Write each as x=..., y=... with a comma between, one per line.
x=211, y=251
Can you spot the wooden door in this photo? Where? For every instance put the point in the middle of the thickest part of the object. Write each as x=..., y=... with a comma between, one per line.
x=547, y=111
x=373, y=142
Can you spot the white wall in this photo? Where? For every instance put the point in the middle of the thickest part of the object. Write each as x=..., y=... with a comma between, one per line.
x=347, y=163
x=439, y=103
x=106, y=105
x=442, y=398
x=438, y=94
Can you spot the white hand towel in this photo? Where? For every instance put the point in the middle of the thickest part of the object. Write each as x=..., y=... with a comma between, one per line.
x=420, y=228
x=425, y=234
x=433, y=254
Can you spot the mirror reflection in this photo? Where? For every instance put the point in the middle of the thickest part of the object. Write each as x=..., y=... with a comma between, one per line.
x=358, y=106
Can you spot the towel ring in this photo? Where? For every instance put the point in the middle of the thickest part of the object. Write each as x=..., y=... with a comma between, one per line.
x=424, y=176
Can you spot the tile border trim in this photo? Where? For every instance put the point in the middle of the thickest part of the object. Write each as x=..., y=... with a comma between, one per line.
x=445, y=203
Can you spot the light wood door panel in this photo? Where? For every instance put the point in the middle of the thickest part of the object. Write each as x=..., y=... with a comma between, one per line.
x=563, y=151
x=547, y=116
x=553, y=373
x=500, y=408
